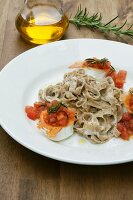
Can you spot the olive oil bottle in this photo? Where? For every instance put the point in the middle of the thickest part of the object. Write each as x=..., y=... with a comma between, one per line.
x=41, y=23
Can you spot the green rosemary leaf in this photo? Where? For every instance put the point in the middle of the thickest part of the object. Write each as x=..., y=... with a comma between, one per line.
x=62, y=104
x=103, y=60
x=113, y=69
x=95, y=60
x=94, y=22
x=56, y=107
x=111, y=20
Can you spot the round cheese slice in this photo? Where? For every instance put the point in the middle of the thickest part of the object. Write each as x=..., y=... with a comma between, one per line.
x=63, y=134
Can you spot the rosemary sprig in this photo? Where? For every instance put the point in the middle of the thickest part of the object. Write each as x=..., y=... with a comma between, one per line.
x=101, y=61
x=95, y=60
x=56, y=107
x=94, y=22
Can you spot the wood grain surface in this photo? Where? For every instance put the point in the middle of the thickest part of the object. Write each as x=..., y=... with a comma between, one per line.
x=25, y=175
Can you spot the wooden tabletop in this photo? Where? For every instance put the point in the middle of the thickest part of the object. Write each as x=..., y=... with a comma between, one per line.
x=25, y=175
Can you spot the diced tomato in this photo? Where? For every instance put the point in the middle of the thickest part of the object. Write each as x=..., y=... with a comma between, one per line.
x=125, y=126
x=31, y=112
x=120, y=78
x=62, y=118
x=42, y=108
x=97, y=65
x=61, y=115
x=53, y=120
x=126, y=117
x=108, y=65
x=124, y=135
x=57, y=119
x=119, y=85
x=38, y=104
x=62, y=108
x=63, y=122
x=109, y=72
x=54, y=102
x=121, y=75
x=105, y=66
x=121, y=127
x=48, y=104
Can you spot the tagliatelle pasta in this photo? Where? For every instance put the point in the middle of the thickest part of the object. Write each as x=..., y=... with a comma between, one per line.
x=97, y=103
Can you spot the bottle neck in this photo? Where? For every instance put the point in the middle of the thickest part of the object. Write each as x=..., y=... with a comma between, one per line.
x=31, y=3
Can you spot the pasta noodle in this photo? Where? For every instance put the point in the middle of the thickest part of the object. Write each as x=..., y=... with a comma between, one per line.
x=97, y=103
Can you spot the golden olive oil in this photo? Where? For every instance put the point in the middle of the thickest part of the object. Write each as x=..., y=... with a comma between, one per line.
x=42, y=24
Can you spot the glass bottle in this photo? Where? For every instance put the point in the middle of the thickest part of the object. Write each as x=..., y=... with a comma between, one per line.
x=41, y=21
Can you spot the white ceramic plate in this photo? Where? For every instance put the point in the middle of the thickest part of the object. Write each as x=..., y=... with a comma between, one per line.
x=21, y=79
